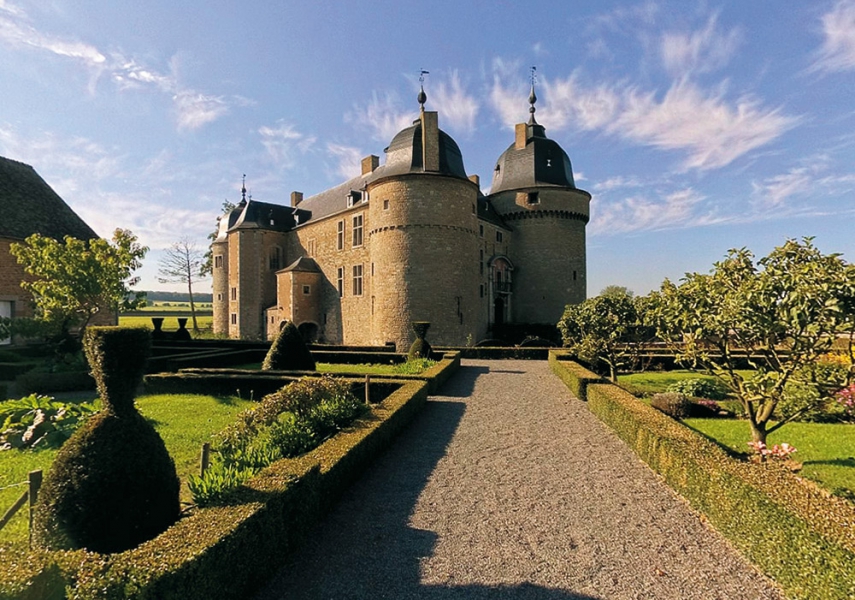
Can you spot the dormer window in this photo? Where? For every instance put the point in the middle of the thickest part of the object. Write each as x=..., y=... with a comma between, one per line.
x=353, y=197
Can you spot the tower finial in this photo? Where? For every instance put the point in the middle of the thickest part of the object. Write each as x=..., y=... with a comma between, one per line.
x=422, y=96
x=532, y=97
x=243, y=190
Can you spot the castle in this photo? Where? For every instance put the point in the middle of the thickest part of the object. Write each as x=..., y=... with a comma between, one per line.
x=413, y=239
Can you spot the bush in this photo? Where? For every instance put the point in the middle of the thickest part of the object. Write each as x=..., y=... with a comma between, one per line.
x=673, y=404
x=39, y=421
x=697, y=387
x=113, y=485
x=288, y=351
x=420, y=348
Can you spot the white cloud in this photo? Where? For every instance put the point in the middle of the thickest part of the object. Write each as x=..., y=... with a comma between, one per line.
x=707, y=128
x=677, y=210
x=16, y=33
x=774, y=191
x=456, y=107
x=283, y=141
x=383, y=117
x=619, y=182
x=10, y=8
x=348, y=159
x=838, y=47
x=700, y=51
x=194, y=110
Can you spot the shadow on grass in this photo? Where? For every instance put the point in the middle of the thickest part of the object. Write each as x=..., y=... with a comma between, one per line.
x=835, y=462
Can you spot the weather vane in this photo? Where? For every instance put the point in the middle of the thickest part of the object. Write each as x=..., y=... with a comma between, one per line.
x=533, y=76
x=422, y=76
x=422, y=96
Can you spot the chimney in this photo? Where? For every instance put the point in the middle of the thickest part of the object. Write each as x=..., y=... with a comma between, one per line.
x=521, y=133
x=476, y=180
x=296, y=198
x=369, y=163
x=430, y=140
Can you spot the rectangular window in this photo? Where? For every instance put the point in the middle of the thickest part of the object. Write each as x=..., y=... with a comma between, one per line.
x=310, y=247
x=275, y=257
x=340, y=236
x=372, y=269
x=340, y=282
x=481, y=230
x=234, y=293
x=234, y=318
x=482, y=262
x=499, y=236
x=385, y=205
x=533, y=198
x=482, y=290
x=307, y=290
x=357, y=230
x=218, y=261
x=219, y=297
x=357, y=280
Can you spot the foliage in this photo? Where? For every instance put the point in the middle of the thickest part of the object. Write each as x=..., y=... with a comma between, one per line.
x=673, y=404
x=113, y=485
x=699, y=388
x=286, y=423
x=420, y=348
x=414, y=366
x=617, y=291
x=40, y=421
x=183, y=263
x=782, y=314
x=72, y=281
x=207, y=266
x=288, y=352
x=599, y=328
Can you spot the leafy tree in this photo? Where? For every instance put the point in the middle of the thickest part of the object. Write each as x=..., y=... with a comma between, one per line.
x=616, y=290
x=781, y=315
x=183, y=263
x=208, y=259
x=599, y=328
x=73, y=280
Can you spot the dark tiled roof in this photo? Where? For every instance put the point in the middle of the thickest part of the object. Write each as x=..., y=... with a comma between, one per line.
x=541, y=163
x=404, y=154
x=28, y=205
x=334, y=199
x=264, y=215
x=304, y=263
x=487, y=213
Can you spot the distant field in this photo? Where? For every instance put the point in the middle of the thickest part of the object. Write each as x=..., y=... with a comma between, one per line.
x=169, y=323
x=158, y=305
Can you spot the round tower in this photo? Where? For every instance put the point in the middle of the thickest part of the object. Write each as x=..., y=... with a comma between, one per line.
x=423, y=239
x=534, y=192
x=220, y=270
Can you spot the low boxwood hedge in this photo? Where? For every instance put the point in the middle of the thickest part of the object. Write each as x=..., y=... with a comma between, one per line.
x=797, y=533
x=224, y=551
x=575, y=376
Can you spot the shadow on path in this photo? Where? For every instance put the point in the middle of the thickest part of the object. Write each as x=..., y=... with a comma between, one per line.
x=366, y=548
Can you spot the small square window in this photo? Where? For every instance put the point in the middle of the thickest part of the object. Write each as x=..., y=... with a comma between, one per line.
x=385, y=205
x=499, y=236
x=533, y=198
x=218, y=261
x=307, y=289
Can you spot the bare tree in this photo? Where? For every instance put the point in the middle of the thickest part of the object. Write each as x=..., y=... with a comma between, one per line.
x=182, y=263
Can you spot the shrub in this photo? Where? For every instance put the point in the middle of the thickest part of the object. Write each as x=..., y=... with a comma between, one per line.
x=673, y=404
x=288, y=351
x=39, y=421
x=420, y=348
x=699, y=388
x=113, y=485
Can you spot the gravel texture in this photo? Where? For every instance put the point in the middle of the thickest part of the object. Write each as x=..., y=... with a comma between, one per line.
x=507, y=486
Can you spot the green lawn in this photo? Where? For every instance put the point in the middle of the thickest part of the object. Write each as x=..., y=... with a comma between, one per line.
x=161, y=305
x=826, y=450
x=184, y=422
x=654, y=382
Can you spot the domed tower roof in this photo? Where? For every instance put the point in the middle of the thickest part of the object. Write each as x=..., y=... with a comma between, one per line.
x=406, y=152
x=533, y=160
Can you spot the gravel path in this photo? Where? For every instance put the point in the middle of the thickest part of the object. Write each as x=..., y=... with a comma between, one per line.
x=508, y=487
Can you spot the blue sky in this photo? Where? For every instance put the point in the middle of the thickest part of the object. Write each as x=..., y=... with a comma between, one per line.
x=697, y=127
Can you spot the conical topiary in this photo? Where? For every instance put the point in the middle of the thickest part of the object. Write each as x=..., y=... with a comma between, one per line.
x=288, y=352
x=113, y=484
x=420, y=348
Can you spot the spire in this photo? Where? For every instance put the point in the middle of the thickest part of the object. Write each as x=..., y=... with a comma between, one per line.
x=243, y=190
x=532, y=97
x=422, y=96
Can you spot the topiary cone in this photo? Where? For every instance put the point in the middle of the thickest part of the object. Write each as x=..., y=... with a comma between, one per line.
x=113, y=484
x=288, y=351
x=420, y=348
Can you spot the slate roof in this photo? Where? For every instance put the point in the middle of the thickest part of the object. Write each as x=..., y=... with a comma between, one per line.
x=541, y=163
x=28, y=205
x=304, y=264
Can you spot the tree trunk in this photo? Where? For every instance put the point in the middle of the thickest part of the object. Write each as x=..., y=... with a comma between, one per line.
x=613, y=372
x=192, y=307
x=758, y=432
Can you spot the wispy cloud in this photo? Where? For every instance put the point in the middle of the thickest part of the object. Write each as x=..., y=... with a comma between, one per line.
x=676, y=210
x=709, y=129
x=838, y=48
x=193, y=109
x=382, y=117
x=815, y=176
x=347, y=160
x=701, y=51
x=772, y=192
x=283, y=142
x=457, y=107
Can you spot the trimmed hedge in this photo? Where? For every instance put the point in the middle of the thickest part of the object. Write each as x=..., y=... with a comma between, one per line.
x=575, y=376
x=799, y=534
x=226, y=551
x=46, y=383
x=11, y=370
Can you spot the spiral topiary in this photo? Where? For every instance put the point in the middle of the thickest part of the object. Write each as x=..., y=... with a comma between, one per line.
x=288, y=351
x=420, y=348
x=113, y=484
